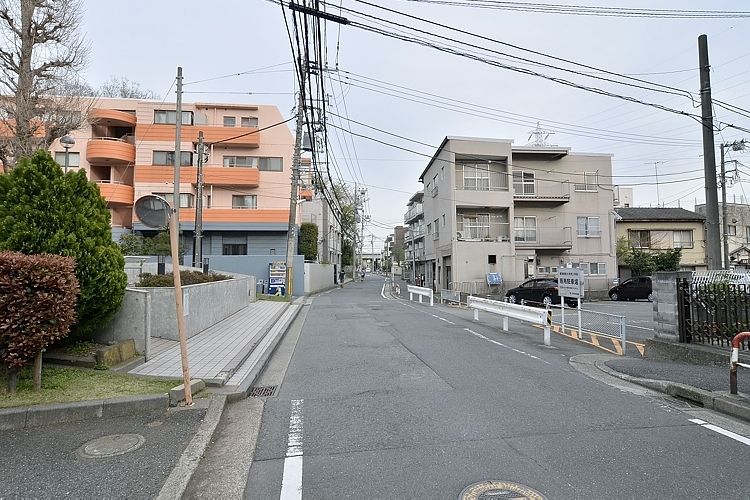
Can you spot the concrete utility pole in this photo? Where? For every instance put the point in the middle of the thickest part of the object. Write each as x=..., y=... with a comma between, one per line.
x=736, y=146
x=713, y=237
x=291, y=237
x=198, y=245
x=354, y=229
x=177, y=154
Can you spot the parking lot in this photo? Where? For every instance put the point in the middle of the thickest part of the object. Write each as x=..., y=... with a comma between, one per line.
x=638, y=316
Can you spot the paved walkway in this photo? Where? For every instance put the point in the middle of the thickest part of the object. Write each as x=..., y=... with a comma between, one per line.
x=218, y=351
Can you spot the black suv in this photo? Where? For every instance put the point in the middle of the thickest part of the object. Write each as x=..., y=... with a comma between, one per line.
x=632, y=289
x=539, y=291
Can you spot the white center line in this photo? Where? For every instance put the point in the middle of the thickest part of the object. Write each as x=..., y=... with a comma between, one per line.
x=724, y=432
x=507, y=347
x=291, y=481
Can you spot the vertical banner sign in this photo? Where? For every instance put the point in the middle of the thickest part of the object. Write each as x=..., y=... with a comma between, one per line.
x=277, y=278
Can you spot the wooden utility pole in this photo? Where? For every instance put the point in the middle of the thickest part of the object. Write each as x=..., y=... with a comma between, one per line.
x=177, y=152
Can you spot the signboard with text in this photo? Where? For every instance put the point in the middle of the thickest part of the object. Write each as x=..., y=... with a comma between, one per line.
x=570, y=282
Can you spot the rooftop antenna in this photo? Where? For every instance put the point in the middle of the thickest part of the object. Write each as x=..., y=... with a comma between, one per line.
x=540, y=136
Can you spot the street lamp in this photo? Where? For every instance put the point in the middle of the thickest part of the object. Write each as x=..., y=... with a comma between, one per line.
x=67, y=142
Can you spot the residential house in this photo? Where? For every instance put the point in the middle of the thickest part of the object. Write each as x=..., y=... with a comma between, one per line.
x=491, y=207
x=655, y=229
x=738, y=224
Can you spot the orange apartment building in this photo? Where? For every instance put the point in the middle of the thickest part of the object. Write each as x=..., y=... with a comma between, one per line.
x=127, y=148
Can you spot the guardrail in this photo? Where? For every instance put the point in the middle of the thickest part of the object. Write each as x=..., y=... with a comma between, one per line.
x=450, y=296
x=421, y=292
x=542, y=317
x=734, y=360
x=604, y=324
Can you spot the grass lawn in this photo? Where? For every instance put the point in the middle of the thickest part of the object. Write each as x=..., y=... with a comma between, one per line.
x=61, y=385
x=273, y=298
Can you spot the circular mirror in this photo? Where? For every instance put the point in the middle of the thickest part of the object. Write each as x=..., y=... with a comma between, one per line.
x=153, y=211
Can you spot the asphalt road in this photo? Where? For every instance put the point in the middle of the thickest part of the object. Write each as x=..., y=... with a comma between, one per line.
x=389, y=399
x=46, y=462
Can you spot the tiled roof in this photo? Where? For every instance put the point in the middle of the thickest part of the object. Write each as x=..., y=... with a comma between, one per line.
x=646, y=213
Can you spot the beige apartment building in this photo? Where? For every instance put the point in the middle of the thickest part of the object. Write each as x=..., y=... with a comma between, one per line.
x=128, y=148
x=491, y=207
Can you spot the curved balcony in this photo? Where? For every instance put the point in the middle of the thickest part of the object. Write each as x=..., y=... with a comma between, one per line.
x=112, y=117
x=109, y=151
x=116, y=193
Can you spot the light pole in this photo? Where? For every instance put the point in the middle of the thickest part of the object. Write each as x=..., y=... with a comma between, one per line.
x=67, y=142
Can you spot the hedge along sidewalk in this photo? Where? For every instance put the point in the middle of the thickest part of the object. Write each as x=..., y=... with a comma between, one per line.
x=79, y=394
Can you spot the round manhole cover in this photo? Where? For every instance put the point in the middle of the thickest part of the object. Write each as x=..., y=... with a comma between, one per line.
x=494, y=490
x=112, y=445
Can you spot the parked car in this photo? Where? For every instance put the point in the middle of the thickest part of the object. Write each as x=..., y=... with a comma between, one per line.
x=632, y=289
x=538, y=291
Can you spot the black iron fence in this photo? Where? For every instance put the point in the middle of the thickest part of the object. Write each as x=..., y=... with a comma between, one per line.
x=713, y=313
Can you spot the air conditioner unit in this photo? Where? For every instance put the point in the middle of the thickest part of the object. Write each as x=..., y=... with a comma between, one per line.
x=460, y=235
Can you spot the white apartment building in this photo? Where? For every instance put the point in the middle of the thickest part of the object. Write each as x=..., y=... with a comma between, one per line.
x=491, y=207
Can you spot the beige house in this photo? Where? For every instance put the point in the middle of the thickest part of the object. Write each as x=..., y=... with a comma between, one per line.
x=491, y=207
x=655, y=229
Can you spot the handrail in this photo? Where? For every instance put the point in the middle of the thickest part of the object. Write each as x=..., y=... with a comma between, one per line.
x=734, y=360
x=421, y=292
x=113, y=182
x=542, y=317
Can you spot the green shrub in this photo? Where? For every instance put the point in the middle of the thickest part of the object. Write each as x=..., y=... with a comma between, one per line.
x=44, y=211
x=37, y=304
x=186, y=278
x=308, y=244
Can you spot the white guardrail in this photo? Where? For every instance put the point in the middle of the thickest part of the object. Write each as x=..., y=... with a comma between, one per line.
x=542, y=317
x=420, y=291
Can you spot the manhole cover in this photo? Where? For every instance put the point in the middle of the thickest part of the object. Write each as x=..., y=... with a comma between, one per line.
x=263, y=392
x=486, y=490
x=112, y=445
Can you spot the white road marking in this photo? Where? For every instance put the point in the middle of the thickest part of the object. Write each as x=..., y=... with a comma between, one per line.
x=505, y=346
x=291, y=481
x=724, y=432
x=382, y=292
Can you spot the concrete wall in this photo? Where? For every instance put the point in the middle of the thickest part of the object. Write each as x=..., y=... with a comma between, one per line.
x=132, y=321
x=257, y=265
x=205, y=305
x=318, y=277
x=664, y=286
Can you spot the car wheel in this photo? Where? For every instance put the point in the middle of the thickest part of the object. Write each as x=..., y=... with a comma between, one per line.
x=650, y=297
x=547, y=301
x=512, y=298
x=614, y=296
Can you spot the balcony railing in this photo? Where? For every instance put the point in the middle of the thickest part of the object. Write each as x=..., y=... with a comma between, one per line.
x=487, y=232
x=412, y=213
x=543, y=237
x=541, y=191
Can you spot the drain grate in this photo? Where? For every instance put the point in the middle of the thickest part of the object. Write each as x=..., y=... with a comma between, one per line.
x=263, y=392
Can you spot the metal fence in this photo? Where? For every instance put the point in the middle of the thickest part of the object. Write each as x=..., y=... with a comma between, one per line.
x=713, y=312
x=583, y=320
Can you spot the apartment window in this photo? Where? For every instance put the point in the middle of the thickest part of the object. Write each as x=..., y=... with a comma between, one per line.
x=683, y=239
x=492, y=259
x=732, y=230
x=477, y=226
x=271, y=164
x=169, y=117
x=588, y=227
x=524, y=229
x=234, y=249
x=230, y=121
x=524, y=182
x=244, y=201
x=490, y=176
x=240, y=161
x=186, y=199
x=476, y=177
x=747, y=234
x=442, y=172
x=248, y=121
x=429, y=228
x=639, y=238
x=598, y=268
x=271, y=251
x=590, y=182
x=437, y=229
x=74, y=159
x=166, y=158
x=443, y=220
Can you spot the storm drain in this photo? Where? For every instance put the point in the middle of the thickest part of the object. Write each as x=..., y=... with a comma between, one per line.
x=268, y=391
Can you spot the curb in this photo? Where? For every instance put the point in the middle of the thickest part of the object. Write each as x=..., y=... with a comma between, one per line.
x=58, y=413
x=735, y=406
x=179, y=478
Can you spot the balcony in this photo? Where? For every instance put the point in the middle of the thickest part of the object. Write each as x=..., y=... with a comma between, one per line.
x=112, y=118
x=544, y=238
x=116, y=193
x=541, y=192
x=216, y=176
x=109, y=151
x=413, y=213
x=413, y=234
x=499, y=231
x=211, y=134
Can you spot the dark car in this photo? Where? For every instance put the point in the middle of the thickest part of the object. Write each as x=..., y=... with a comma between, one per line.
x=632, y=289
x=537, y=291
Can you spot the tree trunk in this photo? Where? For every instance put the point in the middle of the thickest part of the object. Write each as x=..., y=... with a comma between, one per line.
x=12, y=380
x=38, y=372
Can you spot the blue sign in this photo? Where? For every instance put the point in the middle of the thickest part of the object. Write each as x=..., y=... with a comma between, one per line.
x=494, y=279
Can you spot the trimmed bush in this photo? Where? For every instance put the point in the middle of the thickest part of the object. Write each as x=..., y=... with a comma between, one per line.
x=308, y=244
x=43, y=211
x=37, y=304
x=186, y=278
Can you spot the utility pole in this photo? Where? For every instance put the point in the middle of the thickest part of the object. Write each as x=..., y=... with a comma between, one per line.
x=736, y=146
x=656, y=173
x=354, y=229
x=177, y=159
x=291, y=236
x=198, y=245
x=713, y=237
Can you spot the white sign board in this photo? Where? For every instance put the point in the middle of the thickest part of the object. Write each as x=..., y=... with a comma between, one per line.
x=570, y=282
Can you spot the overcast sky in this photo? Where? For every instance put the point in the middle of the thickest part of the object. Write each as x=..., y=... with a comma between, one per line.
x=146, y=41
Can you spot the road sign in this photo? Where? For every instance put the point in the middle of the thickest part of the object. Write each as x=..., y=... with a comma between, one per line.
x=570, y=283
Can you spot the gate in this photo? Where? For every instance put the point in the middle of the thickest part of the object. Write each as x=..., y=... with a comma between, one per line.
x=712, y=312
